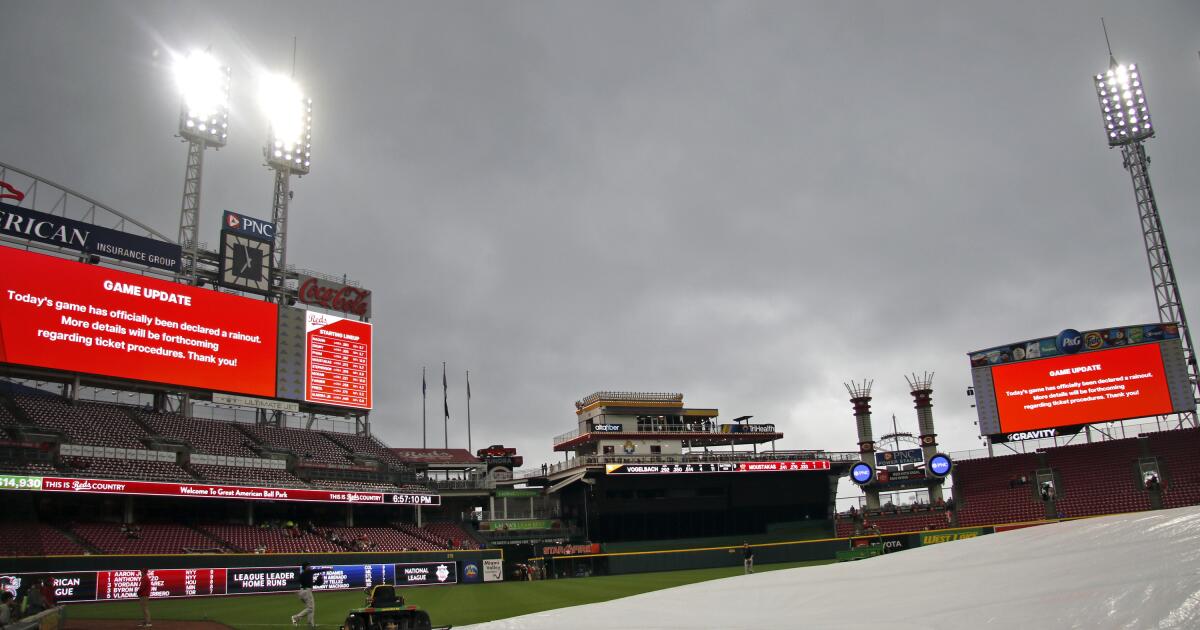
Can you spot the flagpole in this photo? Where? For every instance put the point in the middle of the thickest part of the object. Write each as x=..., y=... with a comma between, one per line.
x=445, y=408
x=423, y=408
x=468, y=411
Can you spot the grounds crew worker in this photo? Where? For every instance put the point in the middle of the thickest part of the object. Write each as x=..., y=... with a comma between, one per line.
x=748, y=558
x=306, y=580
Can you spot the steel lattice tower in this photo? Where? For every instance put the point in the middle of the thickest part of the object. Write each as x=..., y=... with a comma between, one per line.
x=1158, y=255
x=279, y=216
x=189, y=213
x=1127, y=124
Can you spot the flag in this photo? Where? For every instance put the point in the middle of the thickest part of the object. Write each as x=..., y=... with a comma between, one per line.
x=445, y=395
x=468, y=384
x=423, y=388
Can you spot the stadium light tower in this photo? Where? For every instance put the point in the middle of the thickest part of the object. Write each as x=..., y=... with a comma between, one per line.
x=203, y=122
x=288, y=151
x=1127, y=124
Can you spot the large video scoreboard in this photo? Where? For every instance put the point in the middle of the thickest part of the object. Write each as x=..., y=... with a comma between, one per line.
x=64, y=315
x=1054, y=385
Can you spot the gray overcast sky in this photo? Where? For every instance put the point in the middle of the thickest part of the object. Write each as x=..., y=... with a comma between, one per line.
x=749, y=203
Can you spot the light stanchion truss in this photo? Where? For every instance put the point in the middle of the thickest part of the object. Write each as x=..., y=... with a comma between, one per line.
x=1127, y=123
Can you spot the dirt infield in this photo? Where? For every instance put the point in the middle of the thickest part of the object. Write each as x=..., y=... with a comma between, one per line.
x=132, y=624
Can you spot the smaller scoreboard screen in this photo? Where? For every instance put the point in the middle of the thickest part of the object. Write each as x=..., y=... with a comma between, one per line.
x=1033, y=397
x=338, y=358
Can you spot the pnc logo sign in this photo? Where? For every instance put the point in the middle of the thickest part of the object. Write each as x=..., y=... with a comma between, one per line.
x=1069, y=341
x=249, y=226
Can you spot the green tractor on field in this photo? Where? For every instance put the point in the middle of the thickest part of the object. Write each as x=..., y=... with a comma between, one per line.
x=385, y=610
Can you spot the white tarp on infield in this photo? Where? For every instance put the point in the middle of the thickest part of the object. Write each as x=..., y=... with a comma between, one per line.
x=1131, y=571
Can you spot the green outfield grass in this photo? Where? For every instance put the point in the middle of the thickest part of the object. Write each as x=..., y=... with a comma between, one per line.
x=457, y=605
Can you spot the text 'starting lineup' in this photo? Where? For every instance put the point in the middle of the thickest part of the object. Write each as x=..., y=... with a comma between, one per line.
x=1116, y=384
x=338, y=359
x=715, y=467
x=209, y=491
x=64, y=315
x=86, y=586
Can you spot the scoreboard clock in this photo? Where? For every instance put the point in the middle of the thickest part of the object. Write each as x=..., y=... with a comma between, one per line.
x=245, y=263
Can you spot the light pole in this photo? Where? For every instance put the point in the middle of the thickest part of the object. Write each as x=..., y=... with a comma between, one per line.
x=203, y=122
x=288, y=151
x=1127, y=123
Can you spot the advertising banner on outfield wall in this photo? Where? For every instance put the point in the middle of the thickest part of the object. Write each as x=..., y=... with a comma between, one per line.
x=948, y=535
x=209, y=491
x=88, y=238
x=64, y=315
x=493, y=570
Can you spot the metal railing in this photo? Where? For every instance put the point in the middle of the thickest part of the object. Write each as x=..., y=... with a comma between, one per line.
x=482, y=483
x=654, y=427
x=515, y=513
x=1099, y=432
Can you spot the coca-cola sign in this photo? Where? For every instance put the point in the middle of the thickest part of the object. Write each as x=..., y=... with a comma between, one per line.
x=334, y=296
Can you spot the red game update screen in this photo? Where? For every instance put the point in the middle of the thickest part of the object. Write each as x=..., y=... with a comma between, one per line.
x=1116, y=384
x=64, y=315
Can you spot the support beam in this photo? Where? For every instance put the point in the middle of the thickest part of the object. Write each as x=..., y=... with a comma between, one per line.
x=189, y=212
x=1158, y=256
x=279, y=215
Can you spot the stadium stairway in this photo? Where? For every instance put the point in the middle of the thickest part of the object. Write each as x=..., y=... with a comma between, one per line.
x=10, y=414
x=1179, y=467
x=423, y=534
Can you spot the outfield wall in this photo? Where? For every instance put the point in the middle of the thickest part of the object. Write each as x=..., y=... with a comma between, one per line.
x=621, y=563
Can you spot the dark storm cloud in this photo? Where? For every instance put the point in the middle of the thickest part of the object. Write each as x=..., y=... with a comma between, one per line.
x=747, y=202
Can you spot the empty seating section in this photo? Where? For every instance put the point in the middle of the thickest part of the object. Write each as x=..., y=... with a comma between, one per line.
x=206, y=436
x=361, y=486
x=104, y=468
x=385, y=539
x=424, y=534
x=1098, y=478
x=1177, y=454
x=250, y=538
x=305, y=444
x=452, y=533
x=92, y=424
x=150, y=538
x=368, y=446
x=985, y=492
x=27, y=468
x=6, y=417
x=247, y=476
x=896, y=523
x=35, y=539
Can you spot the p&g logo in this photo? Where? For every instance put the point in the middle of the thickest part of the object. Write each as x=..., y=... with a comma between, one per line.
x=1069, y=341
